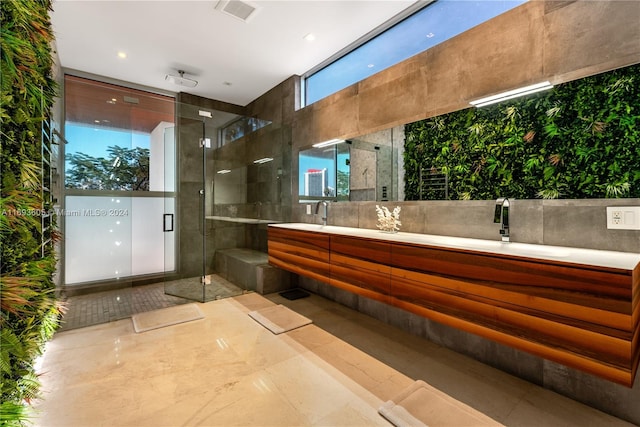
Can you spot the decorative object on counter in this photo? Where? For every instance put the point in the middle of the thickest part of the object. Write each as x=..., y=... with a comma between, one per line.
x=388, y=221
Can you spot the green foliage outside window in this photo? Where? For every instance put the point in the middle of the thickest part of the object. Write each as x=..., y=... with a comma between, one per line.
x=29, y=312
x=125, y=169
x=579, y=140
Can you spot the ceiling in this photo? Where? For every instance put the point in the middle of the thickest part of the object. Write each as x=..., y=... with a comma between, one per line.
x=233, y=60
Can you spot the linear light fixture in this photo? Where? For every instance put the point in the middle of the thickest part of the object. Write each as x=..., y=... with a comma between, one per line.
x=263, y=160
x=328, y=143
x=538, y=87
x=223, y=171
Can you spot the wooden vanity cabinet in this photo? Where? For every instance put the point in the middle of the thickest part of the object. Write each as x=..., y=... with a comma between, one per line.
x=577, y=315
x=580, y=315
x=361, y=266
x=301, y=252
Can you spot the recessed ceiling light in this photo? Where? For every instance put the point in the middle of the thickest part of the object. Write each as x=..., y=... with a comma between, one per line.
x=96, y=121
x=309, y=37
x=122, y=55
x=370, y=65
x=430, y=35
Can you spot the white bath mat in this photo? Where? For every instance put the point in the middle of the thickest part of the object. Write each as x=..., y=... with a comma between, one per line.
x=163, y=317
x=421, y=405
x=279, y=319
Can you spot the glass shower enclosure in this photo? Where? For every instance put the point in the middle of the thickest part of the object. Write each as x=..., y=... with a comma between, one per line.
x=229, y=186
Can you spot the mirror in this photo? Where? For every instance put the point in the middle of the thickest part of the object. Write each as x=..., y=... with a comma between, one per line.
x=365, y=168
x=537, y=147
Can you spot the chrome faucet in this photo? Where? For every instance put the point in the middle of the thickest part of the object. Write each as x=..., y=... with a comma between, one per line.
x=501, y=216
x=326, y=205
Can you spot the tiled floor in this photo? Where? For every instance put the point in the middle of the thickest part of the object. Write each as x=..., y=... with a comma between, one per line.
x=227, y=370
x=107, y=306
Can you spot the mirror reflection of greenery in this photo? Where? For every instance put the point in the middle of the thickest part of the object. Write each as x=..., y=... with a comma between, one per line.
x=125, y=169
x=580, y=140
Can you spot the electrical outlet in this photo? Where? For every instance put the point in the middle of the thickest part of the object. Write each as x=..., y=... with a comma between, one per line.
x=623, y=217
x=308, y=209
x=616, y=217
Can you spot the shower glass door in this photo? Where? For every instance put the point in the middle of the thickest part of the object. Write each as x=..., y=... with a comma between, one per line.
x=193, y=232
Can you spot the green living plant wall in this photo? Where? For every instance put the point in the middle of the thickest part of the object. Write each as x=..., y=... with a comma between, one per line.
x=579, y=140
x=29, y=311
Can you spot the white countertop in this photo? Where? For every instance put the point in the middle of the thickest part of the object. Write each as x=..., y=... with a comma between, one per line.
x=600, y=258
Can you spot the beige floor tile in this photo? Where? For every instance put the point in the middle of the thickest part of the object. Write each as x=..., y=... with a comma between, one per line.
x=364, y=370
x=540, y=407
x=355, y=414
x=311, y=337
x=311, y=387
x=228, y=370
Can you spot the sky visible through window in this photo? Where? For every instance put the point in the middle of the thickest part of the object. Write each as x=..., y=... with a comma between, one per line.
x=94, y=141
x=426, y=28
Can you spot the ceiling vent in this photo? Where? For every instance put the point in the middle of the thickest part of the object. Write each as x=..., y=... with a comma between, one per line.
x=236, y=8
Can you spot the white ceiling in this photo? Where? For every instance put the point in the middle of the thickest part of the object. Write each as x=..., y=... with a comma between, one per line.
x=161, y=37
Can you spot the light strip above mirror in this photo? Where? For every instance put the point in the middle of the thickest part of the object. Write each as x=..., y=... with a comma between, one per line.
x=328, y=143
x=538, y=87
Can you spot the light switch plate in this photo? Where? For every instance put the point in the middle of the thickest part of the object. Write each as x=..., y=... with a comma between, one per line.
x=308, y=209
x=623, y=217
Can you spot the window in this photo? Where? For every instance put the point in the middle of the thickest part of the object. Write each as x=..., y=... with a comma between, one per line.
x=119, y=182
x=112, y=135
x=431, y=25
x=238, y=128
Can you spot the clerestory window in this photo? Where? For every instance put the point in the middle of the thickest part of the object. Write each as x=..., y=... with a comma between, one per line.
x=439, y=21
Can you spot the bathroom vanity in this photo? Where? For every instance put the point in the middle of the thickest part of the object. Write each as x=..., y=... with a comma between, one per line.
x=577, y=307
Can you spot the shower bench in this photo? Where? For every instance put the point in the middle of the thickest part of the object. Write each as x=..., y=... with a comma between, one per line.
x=250, y=270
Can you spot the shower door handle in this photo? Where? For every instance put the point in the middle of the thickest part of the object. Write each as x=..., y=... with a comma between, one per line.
x=167, y=222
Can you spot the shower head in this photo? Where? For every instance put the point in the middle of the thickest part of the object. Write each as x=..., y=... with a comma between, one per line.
x=181, y=80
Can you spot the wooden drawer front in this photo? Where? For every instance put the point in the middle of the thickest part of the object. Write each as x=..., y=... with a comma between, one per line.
x=606, y=344
x=361, y=266
x=300, y=252
x=594, y=366
x=561, y=312
x=375, y=251
x=518, y=298
x=611, y=284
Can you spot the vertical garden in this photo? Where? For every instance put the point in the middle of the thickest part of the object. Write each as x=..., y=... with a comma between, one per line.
x=580, y=140
x=29, y=311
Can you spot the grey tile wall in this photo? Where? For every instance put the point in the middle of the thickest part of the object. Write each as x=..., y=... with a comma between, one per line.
x=574, y=223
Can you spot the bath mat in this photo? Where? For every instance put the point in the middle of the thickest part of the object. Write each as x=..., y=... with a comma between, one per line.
x=279, y=319
x=155, y=319
x=295, y=293
x=421, y=405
